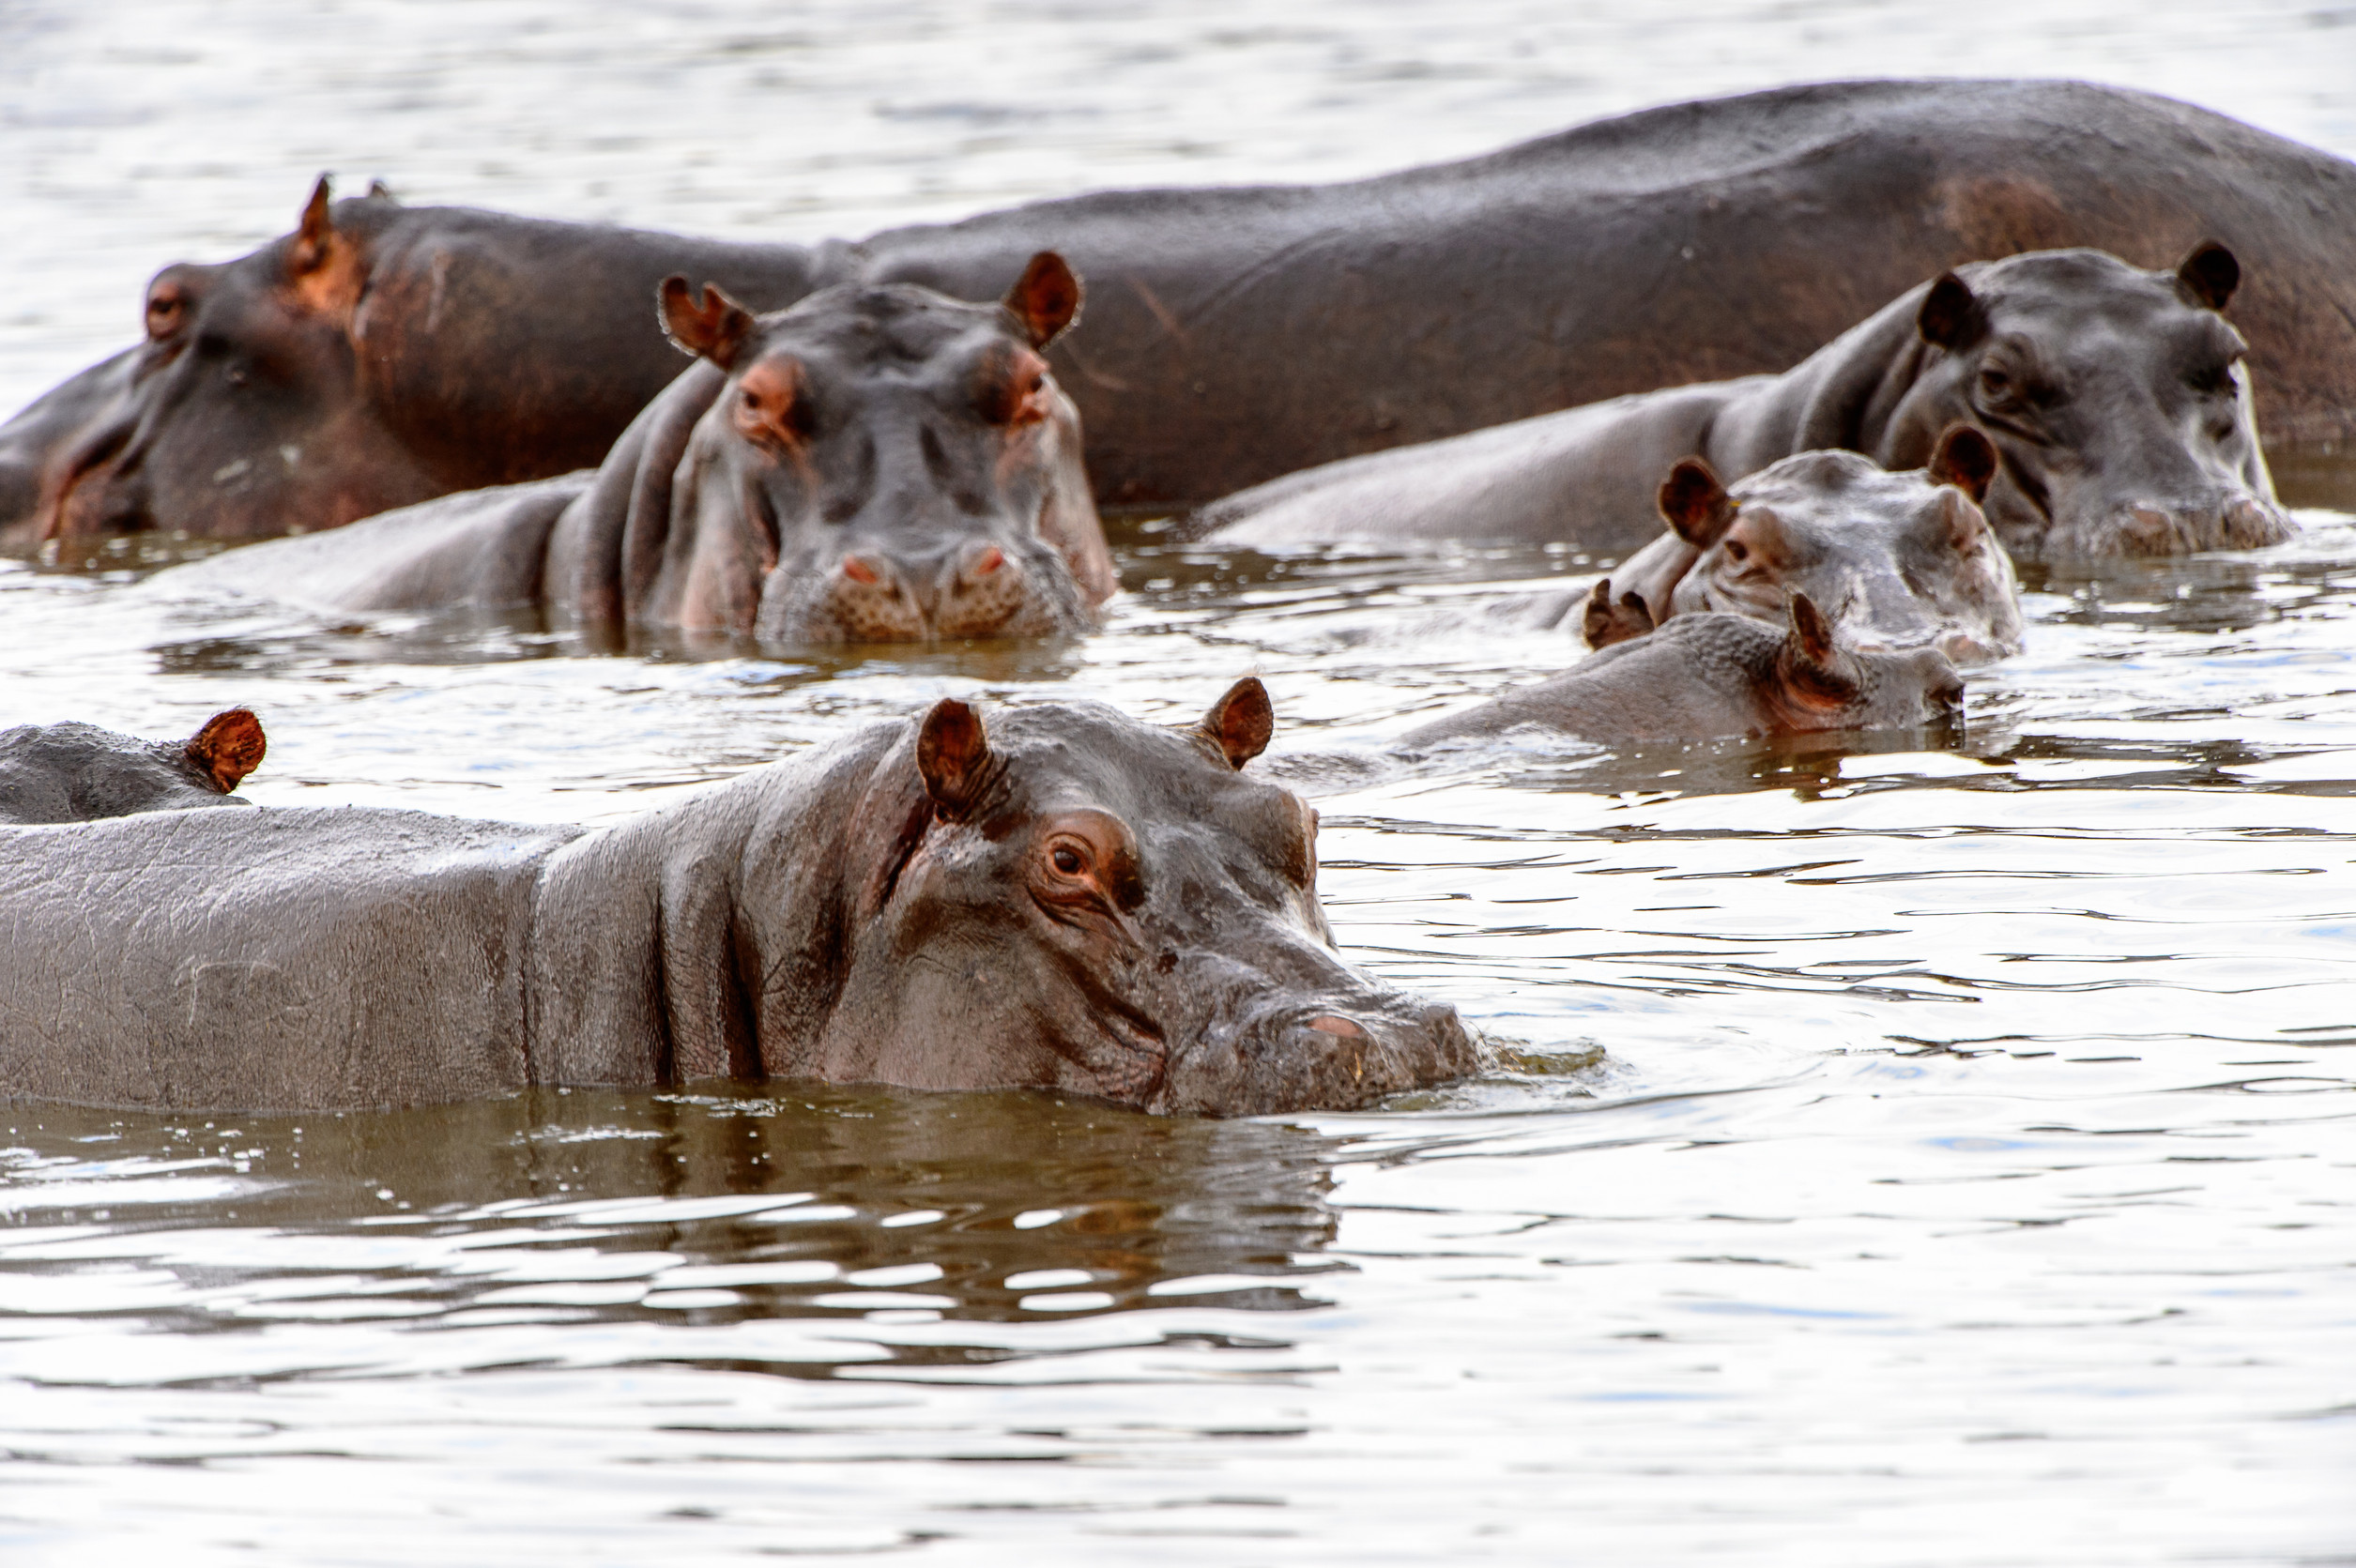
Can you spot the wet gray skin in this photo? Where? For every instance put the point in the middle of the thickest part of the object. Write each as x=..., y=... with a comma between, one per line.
x=2116, y=400
x=1894, y=560
x=1708, y=675
x=872, y=464
x=1064, y=898
x=75, y=772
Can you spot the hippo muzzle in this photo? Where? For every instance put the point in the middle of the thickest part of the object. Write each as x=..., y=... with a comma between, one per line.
x=997, y=584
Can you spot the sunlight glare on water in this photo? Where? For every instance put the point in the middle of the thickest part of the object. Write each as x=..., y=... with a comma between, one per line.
x=1900, y=1157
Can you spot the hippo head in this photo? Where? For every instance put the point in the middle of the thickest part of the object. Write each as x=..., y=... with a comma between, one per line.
x=2116, y=399
x=255, y=356
x=74, y=772
x=1075, y=900
x=879, y=465
x=1896, y=560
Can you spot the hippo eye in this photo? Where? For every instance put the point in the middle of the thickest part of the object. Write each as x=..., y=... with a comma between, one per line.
x=2213, y=381
x=1738, y=552
x=1067, y=859
x=1995, y=383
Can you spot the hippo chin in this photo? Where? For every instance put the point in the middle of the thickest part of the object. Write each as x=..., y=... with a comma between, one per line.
x=1710, y=676
x=75, y=772
x=1062, y=898
x=871, y=465
x=1896, y=560
x=2114, y=398
x=383, y=354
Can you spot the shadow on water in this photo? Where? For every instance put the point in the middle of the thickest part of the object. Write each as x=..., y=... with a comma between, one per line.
x=725, y=1204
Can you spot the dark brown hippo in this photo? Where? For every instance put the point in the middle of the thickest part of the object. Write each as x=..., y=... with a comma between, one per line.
x=2115, y=399
x=74, y=772
x=874, y=464
x=384, y=354
x=1060, y=898
x=1895, y=561
x=1712, y=676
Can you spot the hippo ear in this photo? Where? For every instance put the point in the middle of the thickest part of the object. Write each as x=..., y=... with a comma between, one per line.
x=953, y=755
x=1241, y=722
x=380, y=192
x=1965, y=459
x=1046, y=298
x=1950, y=317
x=1813, y=633
x=2209, y=274
x=322, y=267
x=230, y=746
x=706, y=322
x=1695, y=504
x=1609, y=620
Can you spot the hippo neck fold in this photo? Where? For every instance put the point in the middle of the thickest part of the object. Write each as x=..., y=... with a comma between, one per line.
x=691, y=942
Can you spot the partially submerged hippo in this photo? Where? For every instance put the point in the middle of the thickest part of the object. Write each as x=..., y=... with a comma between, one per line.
x=380, y=355
x=2116, y=400
x=74, y=772
x=1711, y=676
x=1894, y=560
x=1062, y=898
x=872, y=464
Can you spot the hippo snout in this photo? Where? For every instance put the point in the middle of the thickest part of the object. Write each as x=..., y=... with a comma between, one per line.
x=2150, y=527
x=1331, y=1055
x=977, y=589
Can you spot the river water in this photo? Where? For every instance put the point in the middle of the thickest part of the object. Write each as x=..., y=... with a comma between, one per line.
x=1916, y=1157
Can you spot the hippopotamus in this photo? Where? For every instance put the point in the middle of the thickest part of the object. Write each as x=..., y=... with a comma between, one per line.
x=1054, y=897
x=74, y=772
x=874, y=463
x=382, y=354
x=1711, y=676
x=2114, y=397
x=1898, y=560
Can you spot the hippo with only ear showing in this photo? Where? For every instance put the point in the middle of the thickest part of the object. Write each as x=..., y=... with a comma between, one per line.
x=873, y=465
x=1896, y=560
x=1061, y=898
x=2115, y=399
x=72, y=772
x=1709, y=675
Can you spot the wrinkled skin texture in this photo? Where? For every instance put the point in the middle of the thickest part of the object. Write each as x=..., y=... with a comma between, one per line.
x=1062, y=898
x=872, y=464
x=2116, y=400
x=1894, y=560
x=1709, y=675
x=1242, y=333
x=76, y=772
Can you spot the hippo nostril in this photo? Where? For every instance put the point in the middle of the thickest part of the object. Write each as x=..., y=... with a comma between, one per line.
x=989, y=560
x=859, y=569
x=1343, y=1027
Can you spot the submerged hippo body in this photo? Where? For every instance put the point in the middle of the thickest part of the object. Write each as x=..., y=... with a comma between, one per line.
x=75, y=772
x=1069, y=900
x=2114, y=398
x=1238, y=333
x=1894, y=560
x=872, y=464
x=1711, y=676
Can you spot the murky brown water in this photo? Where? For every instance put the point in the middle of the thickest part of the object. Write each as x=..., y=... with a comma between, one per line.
x=1967, y=1173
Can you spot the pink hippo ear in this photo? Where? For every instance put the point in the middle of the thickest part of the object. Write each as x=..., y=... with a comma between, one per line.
x=1950, y=316
x=2209, y=274
x=953, y=754
x=1812, y=630
x=1241, y=722
x=323, y=268
x=706, y=321
x=230, y=746
x=1965, y=459
x=1046, y=298
x=1694, y=504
